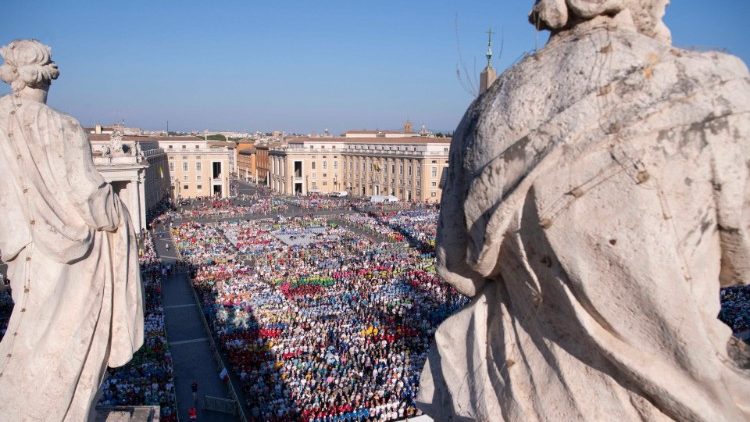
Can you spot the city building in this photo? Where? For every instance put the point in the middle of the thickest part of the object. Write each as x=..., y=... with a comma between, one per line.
x=262, y=164
x=247, y=169
x=410, y=168
x=198, y=167
x=136, y=168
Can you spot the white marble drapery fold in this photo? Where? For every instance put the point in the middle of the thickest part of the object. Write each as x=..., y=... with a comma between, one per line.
x=72, y=261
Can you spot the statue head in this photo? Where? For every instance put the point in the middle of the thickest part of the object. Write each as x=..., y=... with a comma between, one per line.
x=558, y=15
x=28, y=63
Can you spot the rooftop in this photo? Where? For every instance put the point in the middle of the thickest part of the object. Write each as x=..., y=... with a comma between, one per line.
x=404, y=140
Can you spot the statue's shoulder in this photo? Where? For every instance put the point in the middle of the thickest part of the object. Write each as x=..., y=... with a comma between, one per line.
x=38, y=110
x=710, y=64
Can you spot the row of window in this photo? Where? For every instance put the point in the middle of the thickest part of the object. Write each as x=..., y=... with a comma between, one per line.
x=184, y=146
x=325, y=165
x=198, y=166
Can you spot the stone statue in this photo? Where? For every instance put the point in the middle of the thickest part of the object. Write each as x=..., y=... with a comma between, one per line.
x=597, y=198
x=70, y=249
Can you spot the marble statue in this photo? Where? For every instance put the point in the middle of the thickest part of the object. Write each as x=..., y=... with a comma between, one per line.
x=597, y=198
x=70, y=249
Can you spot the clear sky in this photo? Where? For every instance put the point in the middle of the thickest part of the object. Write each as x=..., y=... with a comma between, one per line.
x=300, y=66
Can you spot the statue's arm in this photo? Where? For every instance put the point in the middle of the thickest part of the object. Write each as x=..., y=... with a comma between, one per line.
x=732, y=185
x=99, y=206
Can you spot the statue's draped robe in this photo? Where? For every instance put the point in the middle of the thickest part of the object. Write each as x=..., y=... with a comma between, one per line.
x=72, y=261
x=596, y=200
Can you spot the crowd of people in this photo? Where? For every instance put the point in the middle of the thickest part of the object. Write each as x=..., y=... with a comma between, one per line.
x=217, y=209
x=322, y=319
x=148, y=379
x=735, y=310
x=6, y=307
x=418, y=225
x=333, y=328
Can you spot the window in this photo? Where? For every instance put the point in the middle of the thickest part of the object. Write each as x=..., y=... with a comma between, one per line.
x=184, y=157
x=185, y=187
x=171, y=166
x=409, y=169
x=325, y=165
x=197, y=147
x=314, y=185
x=434, y=161
x=199, y=187
x=393, y=168
x=335, y=164
x=197, y=166
x=184, y=166
x=184, y=177
x=433, y=194
x=434, y=184
x=313, y=165
x=325, y=183
x=184, y=146
x=198, y=177
x=170, y=147
x=325, y=175
x=434, y=171
x=314, y=175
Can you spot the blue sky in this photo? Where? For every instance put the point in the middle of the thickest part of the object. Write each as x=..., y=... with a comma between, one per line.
x=300, y=66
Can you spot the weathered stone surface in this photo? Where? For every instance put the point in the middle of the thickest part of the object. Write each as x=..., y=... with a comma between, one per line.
x=598, y=196
x=70, y=249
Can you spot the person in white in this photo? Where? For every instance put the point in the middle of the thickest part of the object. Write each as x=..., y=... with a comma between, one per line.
x=70, y=249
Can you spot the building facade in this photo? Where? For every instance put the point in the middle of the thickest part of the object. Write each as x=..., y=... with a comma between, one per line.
x=410, y=168
x=198, y=167
x=262, y=164
x=137, y=170
x=247, y=169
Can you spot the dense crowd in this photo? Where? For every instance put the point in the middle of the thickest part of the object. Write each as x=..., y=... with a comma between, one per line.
x=735, y=310
x=148, y=379
x=6, y=307
x=226, y=208
x=419, y=225
x=319, y=323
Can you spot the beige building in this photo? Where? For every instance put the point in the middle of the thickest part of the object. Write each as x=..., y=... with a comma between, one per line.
x=136, y=168
x=410, y=168
x=198, y=167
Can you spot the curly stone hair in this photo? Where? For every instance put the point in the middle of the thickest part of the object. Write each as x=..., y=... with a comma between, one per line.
x=27, y=63
x=558, y=15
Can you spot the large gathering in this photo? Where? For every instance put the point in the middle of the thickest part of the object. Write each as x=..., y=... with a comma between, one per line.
x=318, y=322
x=323, y=308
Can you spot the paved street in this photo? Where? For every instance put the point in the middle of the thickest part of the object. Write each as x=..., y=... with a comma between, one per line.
x=188, y=341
